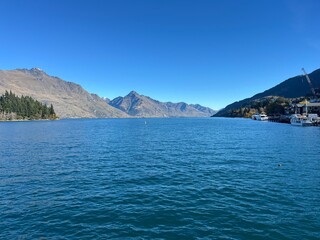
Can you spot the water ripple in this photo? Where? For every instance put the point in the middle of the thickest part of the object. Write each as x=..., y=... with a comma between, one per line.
x=168, y=179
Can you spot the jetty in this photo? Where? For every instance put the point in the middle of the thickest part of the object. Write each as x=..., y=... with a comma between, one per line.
x=305, y=111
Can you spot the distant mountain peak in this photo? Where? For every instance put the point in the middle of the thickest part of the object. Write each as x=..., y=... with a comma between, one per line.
x=37, y=72
x=138, y=105
x=133, y=93
x=36, y=69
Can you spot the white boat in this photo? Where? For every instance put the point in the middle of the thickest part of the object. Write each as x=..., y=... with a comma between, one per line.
x=313, y=117
x=260, y=117
x=303, y=120
x=300, y=120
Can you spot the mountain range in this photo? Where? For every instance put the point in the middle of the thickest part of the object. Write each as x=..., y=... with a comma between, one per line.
x=70, y=100
x=291, y=88
x=138, y=105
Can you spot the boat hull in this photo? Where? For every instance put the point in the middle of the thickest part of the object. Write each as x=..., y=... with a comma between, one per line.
x=260, y=117
x=298, y=120
x=304, y=124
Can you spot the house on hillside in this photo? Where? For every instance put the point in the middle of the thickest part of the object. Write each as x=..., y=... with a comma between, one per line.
x=301, y=108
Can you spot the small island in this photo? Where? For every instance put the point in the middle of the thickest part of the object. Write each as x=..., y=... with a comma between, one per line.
x=15, y=108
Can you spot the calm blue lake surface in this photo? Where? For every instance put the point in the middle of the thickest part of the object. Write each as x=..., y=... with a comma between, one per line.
x=159, y=179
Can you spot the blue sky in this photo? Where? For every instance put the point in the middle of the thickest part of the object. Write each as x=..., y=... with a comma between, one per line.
x=203, y=51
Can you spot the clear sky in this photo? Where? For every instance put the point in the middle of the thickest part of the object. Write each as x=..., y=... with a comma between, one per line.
x=212, y=52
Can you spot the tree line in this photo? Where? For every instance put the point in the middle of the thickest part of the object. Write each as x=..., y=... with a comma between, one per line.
x=269, y=105
x=13, y=107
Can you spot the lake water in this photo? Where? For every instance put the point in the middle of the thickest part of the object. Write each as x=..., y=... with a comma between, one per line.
x=201, y=178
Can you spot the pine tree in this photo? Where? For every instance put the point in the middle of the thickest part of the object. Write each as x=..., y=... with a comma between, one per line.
x=24, y=107
x=51, y=111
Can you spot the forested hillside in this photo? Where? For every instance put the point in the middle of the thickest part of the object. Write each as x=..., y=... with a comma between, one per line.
x=291, y=88
x=13, y=107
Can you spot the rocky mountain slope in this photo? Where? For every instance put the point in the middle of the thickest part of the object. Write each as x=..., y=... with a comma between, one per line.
x=137, y=105
x=291, y=88
x=70, y=100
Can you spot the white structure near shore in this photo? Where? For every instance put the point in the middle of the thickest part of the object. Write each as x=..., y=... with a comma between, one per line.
x=260, y=117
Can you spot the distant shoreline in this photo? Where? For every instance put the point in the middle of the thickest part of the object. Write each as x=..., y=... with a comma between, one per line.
x=83, y=118
x=28, y=120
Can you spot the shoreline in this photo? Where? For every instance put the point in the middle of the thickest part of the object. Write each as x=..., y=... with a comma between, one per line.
x=27, y=120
